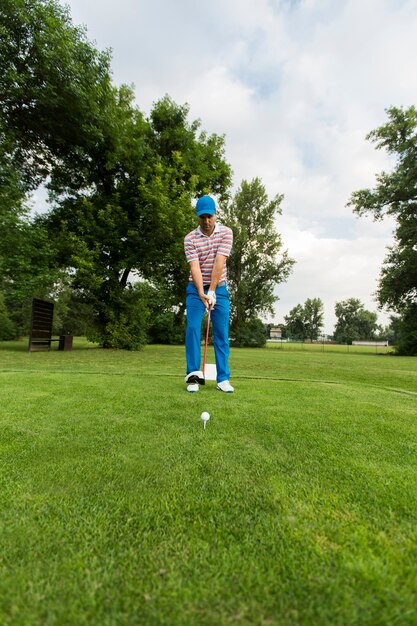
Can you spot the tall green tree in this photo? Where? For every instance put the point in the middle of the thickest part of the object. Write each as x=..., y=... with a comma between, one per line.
x=354, y=322
x=27, y=264
x=7, y=327
x=257, y=263
x=305, y=321
x=395, y=194
x=134, y=224
x=54, y=91
x=294, y=323
x=313, y=318
x=12, y=207
x=121, y=184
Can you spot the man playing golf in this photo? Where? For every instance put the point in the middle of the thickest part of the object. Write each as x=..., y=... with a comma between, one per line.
x=206, y=250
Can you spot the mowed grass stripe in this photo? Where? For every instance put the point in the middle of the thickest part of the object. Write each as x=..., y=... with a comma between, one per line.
x=169, y=360
x=297, y=504
x=238, y=377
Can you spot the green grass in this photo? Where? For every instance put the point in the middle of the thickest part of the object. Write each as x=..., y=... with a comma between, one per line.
x=297, y=504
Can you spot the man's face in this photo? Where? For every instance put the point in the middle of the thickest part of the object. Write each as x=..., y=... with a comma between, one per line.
x=207, y=223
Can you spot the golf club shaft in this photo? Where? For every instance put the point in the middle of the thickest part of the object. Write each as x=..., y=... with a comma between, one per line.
x=206, y=342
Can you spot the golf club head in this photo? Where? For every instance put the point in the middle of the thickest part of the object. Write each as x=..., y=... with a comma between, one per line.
x=195, y=377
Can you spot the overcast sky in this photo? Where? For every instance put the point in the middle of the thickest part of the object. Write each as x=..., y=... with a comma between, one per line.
x=295, y=86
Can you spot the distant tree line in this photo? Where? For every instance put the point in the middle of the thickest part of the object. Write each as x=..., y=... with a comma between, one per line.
x=354, y=323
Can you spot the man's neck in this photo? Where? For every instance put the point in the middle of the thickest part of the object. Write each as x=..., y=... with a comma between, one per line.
x=210, y=233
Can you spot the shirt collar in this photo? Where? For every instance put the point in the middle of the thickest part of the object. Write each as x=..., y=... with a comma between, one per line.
x=216, y=230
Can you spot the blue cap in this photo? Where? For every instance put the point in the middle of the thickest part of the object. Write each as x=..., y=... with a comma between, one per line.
x=205, y=206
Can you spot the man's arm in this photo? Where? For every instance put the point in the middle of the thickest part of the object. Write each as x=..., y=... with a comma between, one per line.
x=198, y=281
x=216, y=274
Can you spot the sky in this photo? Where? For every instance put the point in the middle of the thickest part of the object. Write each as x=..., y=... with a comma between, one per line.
x=295, y=86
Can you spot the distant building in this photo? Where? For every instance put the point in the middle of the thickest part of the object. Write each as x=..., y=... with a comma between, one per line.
x=275, y=332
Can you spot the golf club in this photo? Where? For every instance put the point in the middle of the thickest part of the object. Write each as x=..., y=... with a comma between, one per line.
x=206, y=343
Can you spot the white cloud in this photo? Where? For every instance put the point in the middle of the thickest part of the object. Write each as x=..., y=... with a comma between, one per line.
x=209, y=93
x=295, y=86
x=332, y=269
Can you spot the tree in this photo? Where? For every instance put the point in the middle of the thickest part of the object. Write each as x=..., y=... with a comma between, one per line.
x=252, y=334
x=407, y=331
x=294, y=323
x=7, y=328
x=121, y=184
x=135, y=222
x=54, y=90
x=313, y=318
x=257, y=263
x=391, y=331
x=354, y=322
x=54, y=87
x=27, y=266
x=395, y=194
x=305, y=322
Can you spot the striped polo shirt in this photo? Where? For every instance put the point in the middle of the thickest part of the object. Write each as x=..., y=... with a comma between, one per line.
x=199, y=246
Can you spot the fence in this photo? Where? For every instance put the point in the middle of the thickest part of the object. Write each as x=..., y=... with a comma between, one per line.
x=378, y=347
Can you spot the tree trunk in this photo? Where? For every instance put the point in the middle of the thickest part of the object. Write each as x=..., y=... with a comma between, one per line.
x=125, y=276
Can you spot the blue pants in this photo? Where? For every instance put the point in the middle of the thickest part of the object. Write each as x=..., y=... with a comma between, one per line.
x=220, y=324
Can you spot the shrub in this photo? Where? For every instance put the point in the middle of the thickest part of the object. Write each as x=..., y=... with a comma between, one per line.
x=407, y=340
x=7, y=327
x=251, y=333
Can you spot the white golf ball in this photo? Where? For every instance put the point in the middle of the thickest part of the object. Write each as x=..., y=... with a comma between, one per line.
x=205, y=416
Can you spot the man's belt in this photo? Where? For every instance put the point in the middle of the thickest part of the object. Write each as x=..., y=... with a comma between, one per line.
x=222, y=284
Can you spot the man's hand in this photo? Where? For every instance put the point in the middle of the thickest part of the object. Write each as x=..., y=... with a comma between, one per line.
x=211, y=299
